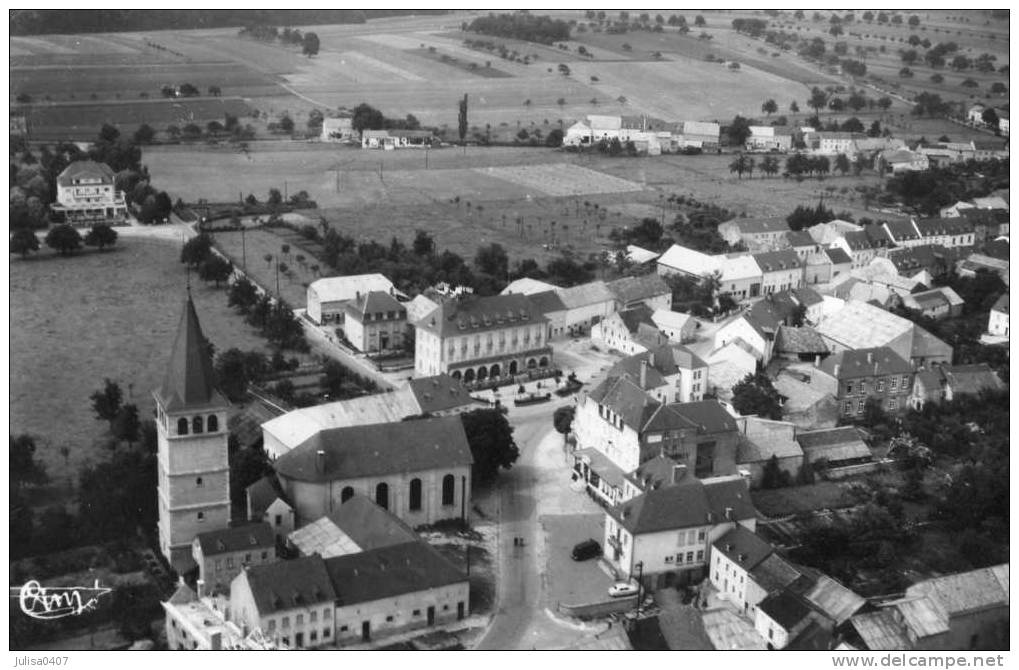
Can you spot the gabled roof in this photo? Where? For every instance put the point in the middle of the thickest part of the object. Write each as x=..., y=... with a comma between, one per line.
x=657, y=472
x=807, y=296
x=663, y=361
x=369, y=525
x=439, y=393
x=477, y=314
x=827, y=595
x=324, y=538
x=785, y=609
x=743, y=547
x=689, y=504
x=925, y=345
x=297, y=426
x=966, y=592
x=838, y=255
x=689, y=261
x=858, y=325
x=374, y=302
x=800, y=238
x=799, y=341
x=85, y=170
x=264, y=493
x=547, y=302
x=585, y=295
x=834, y=444
x=190, y=382
x=762, y=438
x=882, y=630
x=528, y=286
x=239, y=538
x=701, y=128
x=384, y=448
x=876, y=361
x=757, y=225
x=971, y=379
x=287, y=585
x=640, y=255
x=738, y=266
x=774, y=573
x=1001, y=304
x=625, y=397
x=902, y=230
x=334, y=289
x=959, y=225
x=644, y=287
x=666, y=318
x=389, y=572
x=635, y=316
x=776, y=261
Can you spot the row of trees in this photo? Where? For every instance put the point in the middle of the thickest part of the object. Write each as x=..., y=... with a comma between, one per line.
x=63, y=239
x=309, y=42
x=521, y=26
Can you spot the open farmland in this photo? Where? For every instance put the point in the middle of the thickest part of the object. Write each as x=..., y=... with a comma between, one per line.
x=99, y=315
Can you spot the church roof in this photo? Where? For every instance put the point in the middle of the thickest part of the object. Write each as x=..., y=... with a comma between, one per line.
x=189, y=381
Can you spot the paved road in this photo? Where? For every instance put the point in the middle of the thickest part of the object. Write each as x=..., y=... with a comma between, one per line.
x=520, y=621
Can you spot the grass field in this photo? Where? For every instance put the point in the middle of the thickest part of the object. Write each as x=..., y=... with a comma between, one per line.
x=256, y=244
x=77, y=320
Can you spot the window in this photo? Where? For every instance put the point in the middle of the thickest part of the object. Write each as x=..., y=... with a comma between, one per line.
x=700, y=555
x=314, y=636
x=415, y=494
x=219, y=565
x=389, y=618
x=679, y=559
x=344, y=629
x=182, y=426
x=279, y=519
x=213, y=423
x=848, y=408
x=345, y=495
x=689, y=557
x=880, y=385
x=247, y=558
x=300, y=620
x=445, y=608
x=448, y=489
x=417, y=612
x=201, y=517
x=895, y=384
x=265, y=555
x=700, y=535
x=893, y=403
x=325, y=632
x=669, y=559
x=313, y=617
x=286, y=622
x=849, y=388
x=229, y=562
x=199, y=482
x=196, y=425
x=905, y=381
x=382, y=495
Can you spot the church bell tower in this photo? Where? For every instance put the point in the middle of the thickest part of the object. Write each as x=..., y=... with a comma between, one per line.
x=194, y=474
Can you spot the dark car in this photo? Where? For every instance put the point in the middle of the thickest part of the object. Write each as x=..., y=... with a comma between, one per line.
x=585, y=550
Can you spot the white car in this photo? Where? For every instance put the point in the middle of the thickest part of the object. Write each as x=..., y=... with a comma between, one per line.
x=623, y=589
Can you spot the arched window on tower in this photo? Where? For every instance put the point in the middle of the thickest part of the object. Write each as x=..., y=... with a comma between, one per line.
x=448, y=489
x=182, y=426
x=415, y=494
x=196, y=425
x=382, y=495
x=346, y=494
x=212, y=425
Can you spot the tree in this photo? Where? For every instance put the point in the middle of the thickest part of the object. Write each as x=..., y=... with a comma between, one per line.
x=818, y=99
x=126, y=425
x=554, y=138
x=770, y=165
x=492, y=260
x=562, y=419
x=794, y=108
x=247, y=466
x=286, y=124
x=773, y=476
x=216, y=269
x=490, y=437
x=311, y=45
x=884, y=102
x=462, y=119
x=275, y=197
x=63, y=239
x=106, y=402
x=242, y=295
x=25, y=469
x=235, y=369
x=699, y=20
x=769, y=107
x=836, y=104
x=115, y=497
x=756, y=395
x=145, y=134
x=196, y=250
x=24, y=241
x=101, y=235
x=998, y=88
x=842, y=164
x=990, y=118
x=857, y=101
x=424, y=243
x=738, y=165
x=738, y=131
x=366, y=117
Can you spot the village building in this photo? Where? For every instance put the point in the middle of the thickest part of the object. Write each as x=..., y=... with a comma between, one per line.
x=936, y=303
x=629, y=331
x=586, y=305
x=835, y=449
x=864, y=245
x=328, y=297
x=750, y=331
x=728, y=365
x=664, y=535
x=799, y=344
x=962, y=611
x=649, y=290
x=196, y=623
x=528, y=286
x=825, y=234
x=841, y=264
x=375, y=322
x=762, y=440
x=680, y=328
x=944, y=383
x=337, y=129
x=355, y=526
x=949, y=233
x=668, y=373
x=997, y=321
x=640, y=256
x=897, y=161
x=769, y=138
x=419, y=470
x=388, y=140
x=193, y=477
x=828, y=143
x=267, y=503
x=853, y=377
x=780, y=270
x=686, y=262
x=758, y=234
x=859, y=325
x=474, y=339
x=222, y=554
x=87, y=194
x=806, y=613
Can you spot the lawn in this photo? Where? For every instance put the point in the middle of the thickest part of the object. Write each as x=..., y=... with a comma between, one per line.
x=799, y=499
x=77, y=320
x=258, y=243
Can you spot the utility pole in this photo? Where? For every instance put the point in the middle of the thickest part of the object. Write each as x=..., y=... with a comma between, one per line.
x=277, y=277
x=244, y=249
x=640, y=584
x=285, y=195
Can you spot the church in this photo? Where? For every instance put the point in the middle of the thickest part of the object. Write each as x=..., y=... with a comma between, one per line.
x=193, y=470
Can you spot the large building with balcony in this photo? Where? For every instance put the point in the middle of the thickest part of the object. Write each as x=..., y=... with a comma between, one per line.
x=87, y=194
x=476, y=339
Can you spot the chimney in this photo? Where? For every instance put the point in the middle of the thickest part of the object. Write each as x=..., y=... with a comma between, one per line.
x=651, y=358
x=216, y=641
x=742, y=558
x=870, y=356
x=320, y=461
x=817, y=361
x=835, y=372
x=643, y=373
x=677, y=473
x=201, y=588
x=728, y=514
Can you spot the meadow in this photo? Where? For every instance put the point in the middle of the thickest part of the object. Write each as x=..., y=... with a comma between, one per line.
x=78, y=320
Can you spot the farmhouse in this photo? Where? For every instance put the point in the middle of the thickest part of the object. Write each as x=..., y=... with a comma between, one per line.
x=832, y=143
x=86, y=194
x=586, y=305
x=903, y=160
x=769, y=138
x=629, y=331
x=677, y=326
x=650, y=290
x=945, y=382
x=834, y=448
x=395, y=139
x=701, y=133
x=937, y=303
x=337, y=129
x=328, y=297
x=758, y=234
x=669, y=373
x=474, y=338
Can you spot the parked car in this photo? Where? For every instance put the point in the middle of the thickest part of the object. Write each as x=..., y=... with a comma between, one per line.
x=623, y=590
x=585, y=550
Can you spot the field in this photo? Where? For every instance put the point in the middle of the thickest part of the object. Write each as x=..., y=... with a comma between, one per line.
x=77, y=320
x=257, y=244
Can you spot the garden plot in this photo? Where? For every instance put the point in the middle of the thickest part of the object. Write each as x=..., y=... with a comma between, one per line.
x=562, y=179
x=352, y=66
